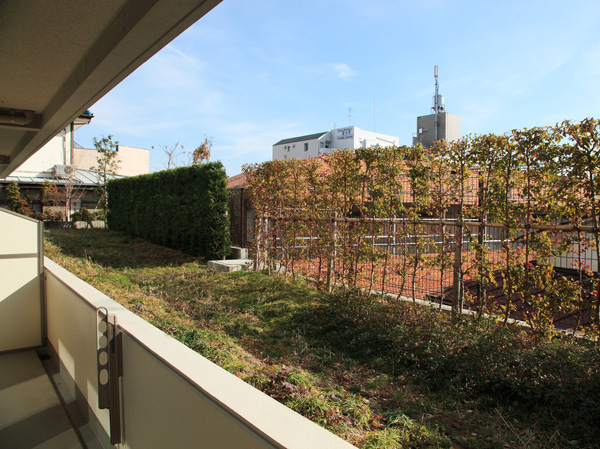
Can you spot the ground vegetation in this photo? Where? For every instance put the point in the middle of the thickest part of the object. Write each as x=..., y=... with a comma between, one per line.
x=379, y=374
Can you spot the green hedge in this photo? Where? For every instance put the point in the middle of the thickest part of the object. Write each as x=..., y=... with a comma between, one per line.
x=184, y=209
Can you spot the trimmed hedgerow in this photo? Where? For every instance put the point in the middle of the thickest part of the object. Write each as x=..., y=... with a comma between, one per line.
x=184, y=209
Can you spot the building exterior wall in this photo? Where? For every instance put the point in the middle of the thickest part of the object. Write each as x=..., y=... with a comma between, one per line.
x=132, y=161
x=452, y=127
x=297, y=150
x=448, y=128
x=370, y=139
x=85, y=158
x=56, y=152
x=341, y=138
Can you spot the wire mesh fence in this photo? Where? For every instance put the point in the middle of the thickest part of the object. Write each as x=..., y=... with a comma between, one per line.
x=473, y=265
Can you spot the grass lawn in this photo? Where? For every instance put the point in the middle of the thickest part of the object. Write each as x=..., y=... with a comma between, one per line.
x=380, y=375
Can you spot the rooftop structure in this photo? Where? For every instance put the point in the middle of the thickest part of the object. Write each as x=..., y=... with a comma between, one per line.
x=439, y=125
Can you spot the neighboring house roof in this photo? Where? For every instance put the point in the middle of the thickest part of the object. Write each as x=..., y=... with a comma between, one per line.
x=237, y=182
x=81, y=177
x=301, y=138
x=324, y=169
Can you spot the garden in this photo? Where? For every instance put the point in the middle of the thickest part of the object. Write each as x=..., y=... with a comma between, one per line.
x=379, y=374
x=400, y=298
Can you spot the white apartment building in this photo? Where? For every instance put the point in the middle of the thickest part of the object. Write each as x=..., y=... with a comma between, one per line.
x=315, y=145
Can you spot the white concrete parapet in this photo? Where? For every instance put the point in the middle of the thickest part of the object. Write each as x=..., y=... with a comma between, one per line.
x=172, y=397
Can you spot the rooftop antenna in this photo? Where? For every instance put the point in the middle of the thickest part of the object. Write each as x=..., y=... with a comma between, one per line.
x=438, y=101
x=435, y=100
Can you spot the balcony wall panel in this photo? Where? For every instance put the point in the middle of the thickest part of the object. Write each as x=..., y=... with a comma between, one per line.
x=171, y=396
x=20, y=298
x=72, y=336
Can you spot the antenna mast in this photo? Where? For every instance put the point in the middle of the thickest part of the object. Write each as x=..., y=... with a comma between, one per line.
x=436, y=100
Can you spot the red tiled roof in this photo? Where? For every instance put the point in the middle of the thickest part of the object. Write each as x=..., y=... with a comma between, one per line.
x=237, y=182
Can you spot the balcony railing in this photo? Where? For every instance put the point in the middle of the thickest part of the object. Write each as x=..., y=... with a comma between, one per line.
x=142, y=389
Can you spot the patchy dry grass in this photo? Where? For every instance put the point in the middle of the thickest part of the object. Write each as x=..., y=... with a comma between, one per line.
x=379, y=375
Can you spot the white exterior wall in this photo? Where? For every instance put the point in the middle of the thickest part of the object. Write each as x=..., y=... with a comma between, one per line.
x=56, y=152
x=85, y=158
x=452, y=127
x=354, y=137
x=343, y=138
x=132, y=161
x=296, y=150
x=586, y=255
x=369, y=139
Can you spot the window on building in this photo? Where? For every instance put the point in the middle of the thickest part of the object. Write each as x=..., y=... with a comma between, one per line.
x=306, y=147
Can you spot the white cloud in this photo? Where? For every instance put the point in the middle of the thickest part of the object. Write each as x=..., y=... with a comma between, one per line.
x=343, y=71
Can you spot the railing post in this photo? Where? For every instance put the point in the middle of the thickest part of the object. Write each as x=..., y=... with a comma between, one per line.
x=457, y=284
x=43, y=288
x=332, y=256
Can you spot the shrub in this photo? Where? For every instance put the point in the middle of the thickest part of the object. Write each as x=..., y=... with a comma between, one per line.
x=184, y=209
x=82, y=215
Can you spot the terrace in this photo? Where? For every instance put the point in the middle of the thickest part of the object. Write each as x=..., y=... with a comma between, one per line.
x=77, y=369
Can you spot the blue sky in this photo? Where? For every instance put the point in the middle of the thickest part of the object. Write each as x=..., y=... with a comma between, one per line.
x=251, y=73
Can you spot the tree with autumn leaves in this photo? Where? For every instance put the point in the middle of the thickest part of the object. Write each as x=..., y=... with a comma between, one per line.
x=538, y=188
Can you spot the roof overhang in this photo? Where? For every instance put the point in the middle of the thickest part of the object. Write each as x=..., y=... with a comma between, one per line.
x=301, y=138
x=59, y=58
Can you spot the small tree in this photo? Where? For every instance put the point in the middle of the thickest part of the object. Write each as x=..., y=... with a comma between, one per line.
x=107, y=166
x=15, y=202
x=202, y=153
x=67, y=194
x=173, y=152
x=47, y=193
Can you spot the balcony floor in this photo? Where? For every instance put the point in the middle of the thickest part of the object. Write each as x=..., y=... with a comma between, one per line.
x=31, y=414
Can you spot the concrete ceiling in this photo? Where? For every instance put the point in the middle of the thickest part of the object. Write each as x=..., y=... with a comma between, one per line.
x=59, y=57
